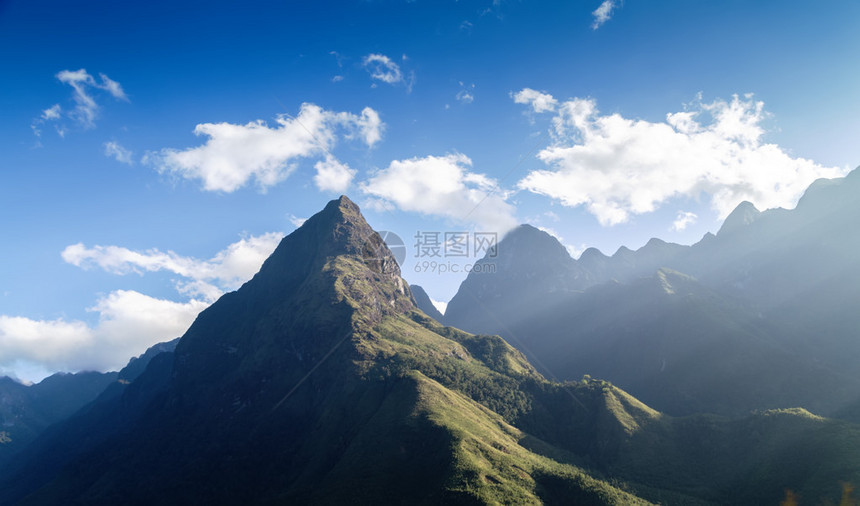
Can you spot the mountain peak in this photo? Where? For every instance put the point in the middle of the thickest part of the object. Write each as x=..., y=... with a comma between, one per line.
x=744, y=214
x=331, y=277
x=529, y=242
x=344, y=206
x=339, y=229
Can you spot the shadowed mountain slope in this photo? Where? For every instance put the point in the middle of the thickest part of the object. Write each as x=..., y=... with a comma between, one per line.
x=26, y=411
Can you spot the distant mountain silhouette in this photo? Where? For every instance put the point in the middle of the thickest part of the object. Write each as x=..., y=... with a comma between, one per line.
x=26, y=411
x=767, y=316
x=423, y=302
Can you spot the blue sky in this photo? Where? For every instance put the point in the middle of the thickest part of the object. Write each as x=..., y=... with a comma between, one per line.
x=604, y=122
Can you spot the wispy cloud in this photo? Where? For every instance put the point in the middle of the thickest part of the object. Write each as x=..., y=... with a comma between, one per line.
x=617, y=167
x=86, y=108
x=235, y=154
x=603, y=13
x=683, y=220
x=384, y=69
x=466, y=95
x=82, y=83
x=52, y=112
x=297, y=221
x=117, y=152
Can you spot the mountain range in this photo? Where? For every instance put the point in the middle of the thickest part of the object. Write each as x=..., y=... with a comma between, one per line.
x=761, y=315
x=27, y=410
x=321, y=381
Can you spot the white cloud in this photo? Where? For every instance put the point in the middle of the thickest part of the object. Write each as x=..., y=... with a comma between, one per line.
x=112, y=87
x=117, y=152
x=86, y=108
x=441, y=306
x=603, y=13
x=540, y=102
x=370, y=126
x=683, y=219
x=618, y=167
x=442, y=186
x=382, y=68
x=235, y=154
x=82, y=82
x=466, y=94
x=208, y=279
x=297, y=221
x=332, y=175
x=129, y=322
x=52, y=112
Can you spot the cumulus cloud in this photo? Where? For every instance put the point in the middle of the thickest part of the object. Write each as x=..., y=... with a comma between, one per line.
x=369, y=125
x=617, y=167
x=603, y=13
x=117, y=152
x=442, y=186
x=540, y=102
x=208, y=279
x=129, y=322
x=332, y=175
x=684, y=219
x=235, y=154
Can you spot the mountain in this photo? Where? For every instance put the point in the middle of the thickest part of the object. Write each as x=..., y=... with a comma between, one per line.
x=536, y=268
x=25, y=411
x=769, y=301
x=316, y=381
x=423, y=302
x=320, y=382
